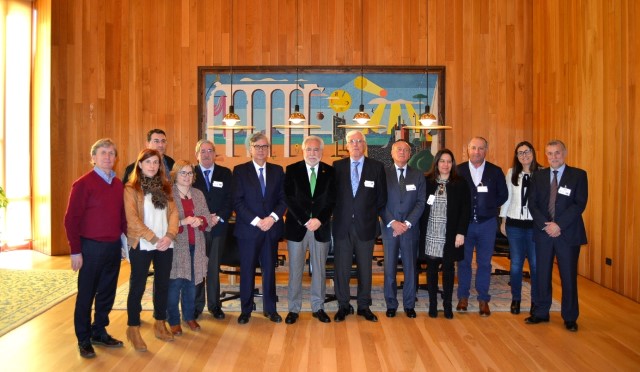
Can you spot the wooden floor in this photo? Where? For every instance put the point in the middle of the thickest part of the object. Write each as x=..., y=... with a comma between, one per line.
x=608, y=339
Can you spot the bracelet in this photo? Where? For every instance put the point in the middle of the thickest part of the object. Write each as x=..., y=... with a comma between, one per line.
x=274, y=219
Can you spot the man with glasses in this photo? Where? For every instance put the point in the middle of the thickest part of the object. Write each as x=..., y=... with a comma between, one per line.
x=361, y=198
x=214, y=181
x=156, y=140
x=259, y=202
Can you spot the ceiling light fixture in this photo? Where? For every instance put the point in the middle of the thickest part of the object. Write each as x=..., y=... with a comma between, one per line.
x=427, y=118
x=296, y=116
x=231, y=118
x=361, y=117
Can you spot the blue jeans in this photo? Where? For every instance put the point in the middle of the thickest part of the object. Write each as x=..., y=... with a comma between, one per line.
x=482, y=237
x=521, y=245
x=183, y=292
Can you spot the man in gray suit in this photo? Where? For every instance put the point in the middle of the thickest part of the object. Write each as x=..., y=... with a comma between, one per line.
x=405, y=202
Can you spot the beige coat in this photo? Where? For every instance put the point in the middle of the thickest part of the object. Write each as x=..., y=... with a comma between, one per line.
x=136, y=229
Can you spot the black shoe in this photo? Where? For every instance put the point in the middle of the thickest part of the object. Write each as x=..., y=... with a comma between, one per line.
x=274, y=317
x=368, y=315
x=411, y=313
x=390, y=313
x=448, y=312
x=197, y=314
x=291, y=318
x=535, y=320
x=341, y=314
x=216, y=312
x=86, y=350
x=322, y=316
x=106, y=340
x=244, y=318
x=571, y=326
x=433, y=309
x=515, y=307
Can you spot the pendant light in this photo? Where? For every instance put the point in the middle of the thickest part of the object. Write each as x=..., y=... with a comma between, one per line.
x=231, y=118
x=361, y=117
x=427, y=118
x=296, y=116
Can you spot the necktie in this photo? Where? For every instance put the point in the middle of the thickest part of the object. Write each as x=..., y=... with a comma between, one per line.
x=312, y=180
x=355, y=178
x=553, y=194
x=401, y=180
x=206, y=179
x=263, y=186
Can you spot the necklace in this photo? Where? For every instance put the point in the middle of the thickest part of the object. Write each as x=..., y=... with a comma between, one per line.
x=185, y=195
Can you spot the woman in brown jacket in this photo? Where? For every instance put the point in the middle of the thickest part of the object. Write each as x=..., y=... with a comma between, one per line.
x=152, y=225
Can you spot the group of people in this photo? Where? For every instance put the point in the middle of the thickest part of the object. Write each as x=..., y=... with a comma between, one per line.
x=176, y=215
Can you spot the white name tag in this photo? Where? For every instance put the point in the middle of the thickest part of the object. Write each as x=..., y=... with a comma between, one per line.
x=217, y=184
x=564, y=191
x=369, y=183
x=431, y=199
x=483, y=189
x=411, y=187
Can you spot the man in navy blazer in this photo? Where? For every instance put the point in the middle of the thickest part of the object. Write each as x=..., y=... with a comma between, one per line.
x=310, y=191
x=259, y=202
x=361, y=197
x=557, y=199
x=214, y=181
x=406, y=198
x=488, y=190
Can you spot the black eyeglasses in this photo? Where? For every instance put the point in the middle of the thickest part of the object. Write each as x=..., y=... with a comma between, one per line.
x=260, y=147
x=524, y=153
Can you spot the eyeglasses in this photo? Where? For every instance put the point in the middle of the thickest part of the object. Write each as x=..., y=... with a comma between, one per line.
x=207, y=151
x=524, y=153
x=356, y=141
x=185, y=173
x=260, y=147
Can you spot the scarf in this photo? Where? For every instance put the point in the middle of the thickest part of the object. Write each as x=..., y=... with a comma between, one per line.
x=153, y=186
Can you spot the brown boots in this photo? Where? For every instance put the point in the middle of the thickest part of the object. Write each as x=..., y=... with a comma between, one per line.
x=162, y=333
x=133, y=335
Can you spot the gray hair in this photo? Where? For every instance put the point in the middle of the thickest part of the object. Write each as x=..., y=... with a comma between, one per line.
x=202, y=142
x=255, y=138
x=557, y=142
x=312, y=138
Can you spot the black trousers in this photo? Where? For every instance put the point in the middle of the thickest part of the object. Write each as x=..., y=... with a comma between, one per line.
x=448, y=274
x=97, y=281
x=140, y=262
x=344, y=250
x=208, y=291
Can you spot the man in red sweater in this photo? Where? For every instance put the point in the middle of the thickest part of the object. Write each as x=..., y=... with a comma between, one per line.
x=94, y=222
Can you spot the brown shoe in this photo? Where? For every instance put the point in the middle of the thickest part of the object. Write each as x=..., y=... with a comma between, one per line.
x=176, y=330
x=161, y=331
x=133, y=335
x=463, y=303
x=484, y=308
x=193, y=325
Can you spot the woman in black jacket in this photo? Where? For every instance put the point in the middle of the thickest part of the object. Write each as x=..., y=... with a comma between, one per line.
x=443, y=226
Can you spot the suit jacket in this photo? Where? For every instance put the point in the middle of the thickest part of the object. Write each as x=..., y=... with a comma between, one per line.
x=569, y=208
x=458, y=215
x=127, y=171
x=363, y=209
x=487, y=202
x=249, y=203
x=403, y=205
x=302, y=206
x=219, y=198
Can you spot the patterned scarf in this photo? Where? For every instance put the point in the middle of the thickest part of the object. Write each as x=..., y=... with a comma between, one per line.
x=153, y=186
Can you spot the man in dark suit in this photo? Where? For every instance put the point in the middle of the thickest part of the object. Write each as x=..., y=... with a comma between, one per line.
x=361, y=197
x=405, y=202
x=557, y=199
x=310, y=194
x=488, y=190
x=156, y=140
x=214, y=181
x=259, y=202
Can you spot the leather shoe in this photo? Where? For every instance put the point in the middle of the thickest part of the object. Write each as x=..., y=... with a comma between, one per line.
x=411, y=313
x=515, y=307
x=571, y=326
x=341, y=314
x=390, y=313
x=291, y=318
x=86, y=350
x=322, y=316
x=463, y=303
x=193, y=325
x=368, y=315
x=244, y=318
x=106, y=340
x=217, y=313
x=274, y=317
x=176, y=330
x=535, y=320
x=484, y=308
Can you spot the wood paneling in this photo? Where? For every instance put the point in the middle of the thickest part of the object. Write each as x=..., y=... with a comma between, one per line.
x=122, y=67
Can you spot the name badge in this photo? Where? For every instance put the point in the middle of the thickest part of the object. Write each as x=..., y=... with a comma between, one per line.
x=564, y=191
x=217, y=184
x=483, y=189
x=431, y=199
x=411, y=187
x=369, y=183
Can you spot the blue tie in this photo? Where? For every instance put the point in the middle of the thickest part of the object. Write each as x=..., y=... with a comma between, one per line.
x=355, y=178
x=263, y=186
x=206, y=179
